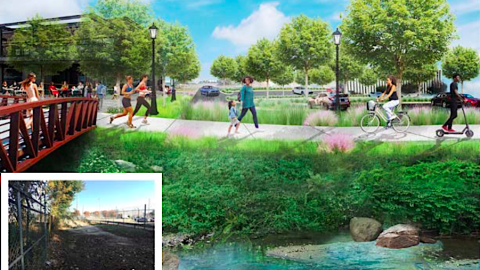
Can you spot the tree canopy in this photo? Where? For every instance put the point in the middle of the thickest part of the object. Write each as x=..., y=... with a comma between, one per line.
x=223, y=67
x=398, y=35
x=305, y=43
x=135, y=10
x=241, y=68
x=45, y=48
x=461, y=60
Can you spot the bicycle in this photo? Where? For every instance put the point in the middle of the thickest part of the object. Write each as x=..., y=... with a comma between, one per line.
x=371, y=121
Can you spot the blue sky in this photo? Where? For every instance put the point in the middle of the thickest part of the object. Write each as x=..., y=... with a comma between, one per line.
x=229, y=27
x=111, y=195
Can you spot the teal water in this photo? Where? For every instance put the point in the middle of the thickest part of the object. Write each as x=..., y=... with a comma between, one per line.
x=340, y=253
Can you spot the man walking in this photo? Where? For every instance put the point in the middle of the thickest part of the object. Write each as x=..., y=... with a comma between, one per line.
x=101, y=92
x=455, y=101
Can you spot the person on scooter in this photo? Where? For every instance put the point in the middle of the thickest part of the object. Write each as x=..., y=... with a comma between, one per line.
x=392, y=96
x=455, y=101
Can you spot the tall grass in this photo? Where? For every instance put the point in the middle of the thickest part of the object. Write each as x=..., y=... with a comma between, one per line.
x=172, y=110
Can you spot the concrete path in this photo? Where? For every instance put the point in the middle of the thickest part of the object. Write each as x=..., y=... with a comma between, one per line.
x=279, y=132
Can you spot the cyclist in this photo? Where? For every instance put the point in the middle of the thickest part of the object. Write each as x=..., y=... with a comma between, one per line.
x=391, y=95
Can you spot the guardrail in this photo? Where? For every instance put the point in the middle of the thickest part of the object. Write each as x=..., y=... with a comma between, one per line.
x=135, y=225
x=55, y=122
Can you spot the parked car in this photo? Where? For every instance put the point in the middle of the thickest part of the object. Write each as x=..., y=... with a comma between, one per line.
x=152, y=219
x=300, y=90
x=209, y=90
x=344, y=101
x=320, y=100
x=443, y=99
x=141, y=219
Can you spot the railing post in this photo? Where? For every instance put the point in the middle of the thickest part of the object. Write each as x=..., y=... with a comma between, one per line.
x=19, y=206
x=13, y=138
x=45, y=233
x=36, y=129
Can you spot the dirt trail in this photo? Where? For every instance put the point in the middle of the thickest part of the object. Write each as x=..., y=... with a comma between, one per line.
x=89, y=247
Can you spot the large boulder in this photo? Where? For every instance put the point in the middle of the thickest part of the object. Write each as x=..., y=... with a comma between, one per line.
x=399, y=236
x=170, y=261
x=364, y=229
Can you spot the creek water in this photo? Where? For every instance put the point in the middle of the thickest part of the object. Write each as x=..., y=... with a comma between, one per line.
x=342, y=253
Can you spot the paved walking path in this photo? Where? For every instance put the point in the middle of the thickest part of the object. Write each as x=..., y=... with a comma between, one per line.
x=279, y=132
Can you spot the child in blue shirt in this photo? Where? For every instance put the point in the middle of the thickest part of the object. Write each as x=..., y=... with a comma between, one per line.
x=233, y=116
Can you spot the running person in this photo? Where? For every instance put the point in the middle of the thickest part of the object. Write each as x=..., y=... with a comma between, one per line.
x=455, y=101
x=127, y=91
x=32, y=94
x=392, y=96
x=141, y=101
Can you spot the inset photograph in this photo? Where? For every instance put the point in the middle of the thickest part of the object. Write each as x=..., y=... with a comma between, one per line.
x=78, y=224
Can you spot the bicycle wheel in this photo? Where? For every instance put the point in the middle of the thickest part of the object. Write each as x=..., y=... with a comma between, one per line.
x=401, y=123
x=370, y=123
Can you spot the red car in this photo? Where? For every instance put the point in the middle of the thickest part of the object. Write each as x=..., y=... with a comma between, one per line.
x=444, y=100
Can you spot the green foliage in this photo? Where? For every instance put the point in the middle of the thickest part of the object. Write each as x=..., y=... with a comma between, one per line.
x=61, y=195
x=134, y=10
x=284, y=77
x=110, y=49
x=241, y=71
x=262, y=62
x=224, y=67
x=397, y=35
x=349, y=68
x=439, y=195
x=321, y=76
x=461, y=60
x=368, y=77
x=305, y=43
x=421, y=75
x=45, y=48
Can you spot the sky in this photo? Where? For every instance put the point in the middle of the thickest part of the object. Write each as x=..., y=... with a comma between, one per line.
x=112, y=195
x=230, y=27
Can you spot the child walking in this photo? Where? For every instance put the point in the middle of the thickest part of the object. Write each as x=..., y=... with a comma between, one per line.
x=233, y=116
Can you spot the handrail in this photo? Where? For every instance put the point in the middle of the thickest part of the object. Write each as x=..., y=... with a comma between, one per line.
x=55, y=122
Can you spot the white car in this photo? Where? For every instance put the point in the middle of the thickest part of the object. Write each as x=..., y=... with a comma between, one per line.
x=300, y=90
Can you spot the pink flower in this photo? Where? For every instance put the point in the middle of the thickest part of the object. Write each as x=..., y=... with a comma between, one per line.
x=321, y=118
x=338, y=142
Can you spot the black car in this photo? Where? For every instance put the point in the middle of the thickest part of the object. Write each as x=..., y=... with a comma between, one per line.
x=209, y=90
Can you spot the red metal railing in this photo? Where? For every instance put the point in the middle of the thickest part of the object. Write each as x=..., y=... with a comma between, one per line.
x=10, y=100
x=55, y=123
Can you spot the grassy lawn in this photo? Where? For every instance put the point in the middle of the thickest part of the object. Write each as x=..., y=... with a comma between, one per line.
x=125, y=231
x=259, y=186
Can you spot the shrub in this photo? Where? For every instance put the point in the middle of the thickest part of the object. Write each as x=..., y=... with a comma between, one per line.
x=321, y=118
x=337, y=143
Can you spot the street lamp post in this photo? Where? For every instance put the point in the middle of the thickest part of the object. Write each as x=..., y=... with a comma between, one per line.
x=336, y=39
x=153, y=34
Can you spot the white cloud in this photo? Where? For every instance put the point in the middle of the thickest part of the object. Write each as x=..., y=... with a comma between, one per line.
x=465, y=6
x=469, y=35
x=264, y=22
x=21, y=10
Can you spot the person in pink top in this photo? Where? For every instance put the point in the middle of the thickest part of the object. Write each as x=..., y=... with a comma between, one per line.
x=141, y=101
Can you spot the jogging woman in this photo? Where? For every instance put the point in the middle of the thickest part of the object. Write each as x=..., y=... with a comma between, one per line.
x=391, y=95
x=32, y=94
x=127, y=91
x=141, y=101
x=246, y=98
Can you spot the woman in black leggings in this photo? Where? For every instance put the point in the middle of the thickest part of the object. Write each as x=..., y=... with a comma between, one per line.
x=141, y=101
x=246, y=97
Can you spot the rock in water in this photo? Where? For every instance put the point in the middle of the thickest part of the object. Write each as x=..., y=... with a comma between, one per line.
x=364, y=229
x=170, y=261
x=399, y=236
x=427, y=240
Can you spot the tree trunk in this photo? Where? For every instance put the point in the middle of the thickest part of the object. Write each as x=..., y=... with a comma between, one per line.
x=399, y=89
x=118, y=79
x=268, y=89
x=462, y=86
x=345, y=87
x=306, y=83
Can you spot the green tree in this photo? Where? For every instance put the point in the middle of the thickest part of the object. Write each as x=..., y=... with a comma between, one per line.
x=45, y=48
x=369, y=77
x=421, y=75
x=110, y=49
x=305, y=43
x=175, y=54
x=135, y=10
x=241, y=68
x=284, y=77
x=223, y=67
x=349, y=69
x=398, y=35
x=262, y=62
x=61, y=195
x=321, y=76
x=461, y=60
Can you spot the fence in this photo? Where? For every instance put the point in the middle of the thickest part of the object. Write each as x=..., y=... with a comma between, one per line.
x=138, y=217
x=27, y=225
